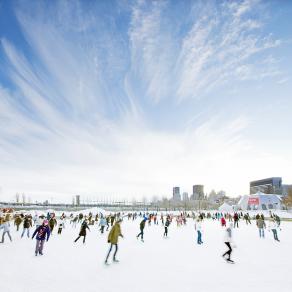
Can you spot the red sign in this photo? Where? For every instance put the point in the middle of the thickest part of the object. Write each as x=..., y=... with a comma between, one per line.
x=253, y=201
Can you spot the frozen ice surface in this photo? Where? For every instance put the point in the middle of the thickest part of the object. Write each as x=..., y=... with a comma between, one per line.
x=172, y=265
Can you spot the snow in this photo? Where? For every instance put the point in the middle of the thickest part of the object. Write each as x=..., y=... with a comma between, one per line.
x=158, y=264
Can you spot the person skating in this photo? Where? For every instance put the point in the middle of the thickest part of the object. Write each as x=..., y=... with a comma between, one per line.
x=223, y=222
x=247, y=218
x=228, y=238
x=52, y=224
x=17, y=222
x=113, y=238
x=61, y=225
x=75, y=221
x=142, y=226
x=6, y=228
x=27, y=223
x=273, y=225
x=102, y=224
x=82, y=232
x=198, y=227
x=261, y=225
x=107, y=222
x=236, y=219
x=42, y=233
x=112, y=218
x=166, y=225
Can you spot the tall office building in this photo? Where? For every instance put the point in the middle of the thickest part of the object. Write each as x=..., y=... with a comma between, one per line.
x=176, y=194
x=198, y=192
x=185, y=196
x=77, y=200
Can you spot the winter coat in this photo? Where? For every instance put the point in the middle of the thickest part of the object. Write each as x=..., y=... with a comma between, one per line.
x=39, y=221
x=114, y=234
x=27, y=223
x=142, y=224
x=6, y=226
x=83, y=228
x=102, y=222
x=52, y=223
x=261, y=223
x=17, y=221
x=198, y=226
x=273, y=225
x=223, y=221
x=228, y=234
x=41, y=232
x=167, y=223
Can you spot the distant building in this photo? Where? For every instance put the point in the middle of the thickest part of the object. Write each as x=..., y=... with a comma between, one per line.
x=176, y=194
x=285, y=189
x=271, y=185
x=198, y=192
x=185, y=196
x=77, y=201
x=260, y=201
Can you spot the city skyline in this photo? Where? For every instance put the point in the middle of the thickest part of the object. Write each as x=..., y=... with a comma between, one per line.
x=135, y=97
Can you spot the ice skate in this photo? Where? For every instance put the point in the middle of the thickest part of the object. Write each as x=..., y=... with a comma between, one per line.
x=230, y=261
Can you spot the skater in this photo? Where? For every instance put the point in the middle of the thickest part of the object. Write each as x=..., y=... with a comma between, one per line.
x=166, y=225
x=228, y=236
x=113, y=238
x=82, y=232
x=223, y=222
x=112, y=218
x=41, y=233
x=26, y=225
x=273, y=225
x=261, y=225
x=75, y=220
x=236, y=219
x=52, y=224
x=6, y=228
x=61, y=226
x=247, y=218
x=107, y=222
x=142, y=226
x=17, y=222
x=102, y=224
x=198, y=227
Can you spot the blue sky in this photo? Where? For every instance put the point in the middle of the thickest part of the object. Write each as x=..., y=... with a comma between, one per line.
x=129, y=98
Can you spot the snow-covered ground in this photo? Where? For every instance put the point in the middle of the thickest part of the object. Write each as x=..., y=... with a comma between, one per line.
x=172, y=265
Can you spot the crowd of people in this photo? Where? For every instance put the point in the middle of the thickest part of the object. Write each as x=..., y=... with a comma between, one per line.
x=44, y=226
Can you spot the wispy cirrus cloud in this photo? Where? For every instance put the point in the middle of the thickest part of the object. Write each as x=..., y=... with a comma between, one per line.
x=213, y=47
x=92, y=96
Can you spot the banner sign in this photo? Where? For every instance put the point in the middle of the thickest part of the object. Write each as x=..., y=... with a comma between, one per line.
x=253, y=201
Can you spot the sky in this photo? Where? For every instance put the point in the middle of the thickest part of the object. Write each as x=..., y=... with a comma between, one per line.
x=127, y=99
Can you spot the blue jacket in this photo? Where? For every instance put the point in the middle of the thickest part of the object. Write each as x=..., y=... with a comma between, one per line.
x=41, y=232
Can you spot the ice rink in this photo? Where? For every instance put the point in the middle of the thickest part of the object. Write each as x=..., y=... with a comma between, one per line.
x=173, y=264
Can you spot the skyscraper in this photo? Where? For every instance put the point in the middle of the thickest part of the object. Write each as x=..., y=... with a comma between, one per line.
x=77, y=200
x=198, y=192
x=185, y=196
x=176, y=194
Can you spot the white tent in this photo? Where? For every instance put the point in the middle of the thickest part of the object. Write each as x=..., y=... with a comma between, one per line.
x=260, y=201
x=225, y=208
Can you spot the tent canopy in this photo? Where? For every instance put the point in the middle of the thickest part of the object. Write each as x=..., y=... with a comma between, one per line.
x=225, y=208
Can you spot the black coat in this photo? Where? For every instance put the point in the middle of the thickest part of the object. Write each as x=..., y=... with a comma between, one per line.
x=83, y=228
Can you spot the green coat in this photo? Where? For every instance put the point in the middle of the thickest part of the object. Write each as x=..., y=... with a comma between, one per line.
x=114, y=234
